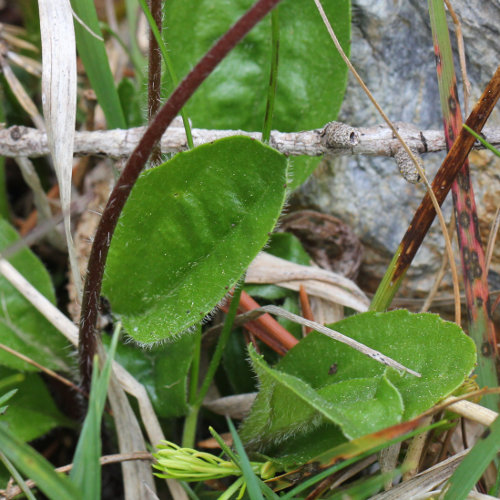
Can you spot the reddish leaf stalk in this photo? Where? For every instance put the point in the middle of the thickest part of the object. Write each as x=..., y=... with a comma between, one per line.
x=124, y=185
x=441, y=185
x=306, y=308
x=265, y=327
x=469, y=238
x=474, y=271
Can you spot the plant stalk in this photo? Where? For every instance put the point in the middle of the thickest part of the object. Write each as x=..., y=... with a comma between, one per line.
x=441, y=185
x=273, y=77
x=133, y=167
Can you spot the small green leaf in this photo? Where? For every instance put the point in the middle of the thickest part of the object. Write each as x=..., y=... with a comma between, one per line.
x=130, y=101
x=439, y=350
x=359, y=406
x=31, y=412
x=187, y=233
x=365, y=394
x=22, y=327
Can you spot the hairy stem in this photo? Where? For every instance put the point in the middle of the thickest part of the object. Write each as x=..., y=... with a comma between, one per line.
x=123, y=187
x=154, y=72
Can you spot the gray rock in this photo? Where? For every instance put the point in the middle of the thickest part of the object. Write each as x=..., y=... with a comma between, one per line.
x=392, y=49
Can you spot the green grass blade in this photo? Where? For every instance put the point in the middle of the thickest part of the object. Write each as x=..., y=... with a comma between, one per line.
x=273, y=80
x=16, y=476
x=6, y=397
x=95, y=60
x=252, y=481
x=485, y=143
x=474, y=464
x=365, y=488
x=224, y=447
x=86, y=462
x=34, y=466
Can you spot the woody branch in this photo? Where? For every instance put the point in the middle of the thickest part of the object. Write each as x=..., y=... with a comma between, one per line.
x=335, y=138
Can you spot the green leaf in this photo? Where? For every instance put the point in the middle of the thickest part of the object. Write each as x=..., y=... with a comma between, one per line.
x=22, y=327
x=188, y=231
x=359, y=406
x=288, y=246
x=252, y=481
x=94, y=58
x=301, y=448
x=31, y=412
x=311, y=79
x=237, y=372
x=130, y=101
x=4, y=398
x=34, y=466
x=365, y=394
x=163, y=370
x=439, y=350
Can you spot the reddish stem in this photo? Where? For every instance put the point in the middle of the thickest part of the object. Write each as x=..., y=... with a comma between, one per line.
x=123, y=187
x=306, y=308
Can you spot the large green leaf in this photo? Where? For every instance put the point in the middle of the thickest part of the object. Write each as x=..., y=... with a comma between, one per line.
x=188, y=231
x=311, y=75
x=31, y=412
x=22, y=327
x=341, y=376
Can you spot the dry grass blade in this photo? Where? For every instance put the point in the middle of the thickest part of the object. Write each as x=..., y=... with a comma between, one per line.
x=27, y=63
x=21, y=95
x=59, y=93
x=48, y=371
x=12, y=35
x=266, y=269
x=136, y=474
x=425, y=481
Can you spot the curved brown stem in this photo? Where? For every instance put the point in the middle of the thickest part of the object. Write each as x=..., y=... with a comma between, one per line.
x=117, y=199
